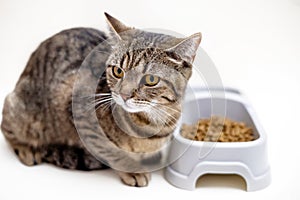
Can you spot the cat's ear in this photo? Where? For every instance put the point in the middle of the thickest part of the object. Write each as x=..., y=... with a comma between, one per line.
x=186, y=48
x=116, y=27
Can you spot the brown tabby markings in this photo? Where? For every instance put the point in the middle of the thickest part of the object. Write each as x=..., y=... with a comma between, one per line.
x=38, y=117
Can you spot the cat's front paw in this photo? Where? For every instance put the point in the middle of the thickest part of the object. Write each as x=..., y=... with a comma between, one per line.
x=135, y=179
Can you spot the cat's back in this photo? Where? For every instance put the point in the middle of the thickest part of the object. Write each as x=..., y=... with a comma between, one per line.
x=60, y=55
x=40, y=100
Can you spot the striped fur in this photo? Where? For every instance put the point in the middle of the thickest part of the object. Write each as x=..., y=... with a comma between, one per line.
x=38, y=120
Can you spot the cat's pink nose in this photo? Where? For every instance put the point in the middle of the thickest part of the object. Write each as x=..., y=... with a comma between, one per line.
x=125, y=96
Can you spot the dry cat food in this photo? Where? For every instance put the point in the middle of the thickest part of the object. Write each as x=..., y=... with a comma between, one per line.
x=218, y=129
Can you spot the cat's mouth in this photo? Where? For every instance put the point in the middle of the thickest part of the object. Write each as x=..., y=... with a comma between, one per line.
x=130, y=105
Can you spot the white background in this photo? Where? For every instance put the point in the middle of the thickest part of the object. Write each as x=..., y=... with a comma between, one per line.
x=254, y=44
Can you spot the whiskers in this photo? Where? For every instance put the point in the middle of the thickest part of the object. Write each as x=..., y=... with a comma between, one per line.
x=96, y=101
x=160, y=114
x=165, y=117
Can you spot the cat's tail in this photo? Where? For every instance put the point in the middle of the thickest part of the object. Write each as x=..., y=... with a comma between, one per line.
x=71, y=158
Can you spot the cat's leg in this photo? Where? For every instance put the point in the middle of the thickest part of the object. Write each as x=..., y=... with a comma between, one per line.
x=21, y=129
x=15, y=125
x=91, y=163
x=71, y=157
x=135, y=179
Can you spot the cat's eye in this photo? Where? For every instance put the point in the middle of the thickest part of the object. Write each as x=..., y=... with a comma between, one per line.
x=117, y=72
x=151, y=80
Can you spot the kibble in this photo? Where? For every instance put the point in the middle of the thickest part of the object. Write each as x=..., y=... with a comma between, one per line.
x=218, y=129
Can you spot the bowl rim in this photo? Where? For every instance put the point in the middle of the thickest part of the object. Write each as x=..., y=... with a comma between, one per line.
x=233, y=95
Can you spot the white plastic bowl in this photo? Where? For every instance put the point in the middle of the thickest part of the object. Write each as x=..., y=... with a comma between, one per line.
x=196, y=158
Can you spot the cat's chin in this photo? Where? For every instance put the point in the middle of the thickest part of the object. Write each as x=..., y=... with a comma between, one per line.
x=132, y=109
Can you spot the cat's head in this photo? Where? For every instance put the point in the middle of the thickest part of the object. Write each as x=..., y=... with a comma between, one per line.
x=148, y=72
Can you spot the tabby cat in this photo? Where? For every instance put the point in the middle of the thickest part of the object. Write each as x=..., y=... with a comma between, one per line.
x=144, y=80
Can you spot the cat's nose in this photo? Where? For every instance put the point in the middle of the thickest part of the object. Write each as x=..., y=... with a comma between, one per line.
x=124, y=96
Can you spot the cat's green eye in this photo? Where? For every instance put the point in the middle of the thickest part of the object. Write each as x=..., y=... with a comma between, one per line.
x=117, y=72
x=151, y=80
